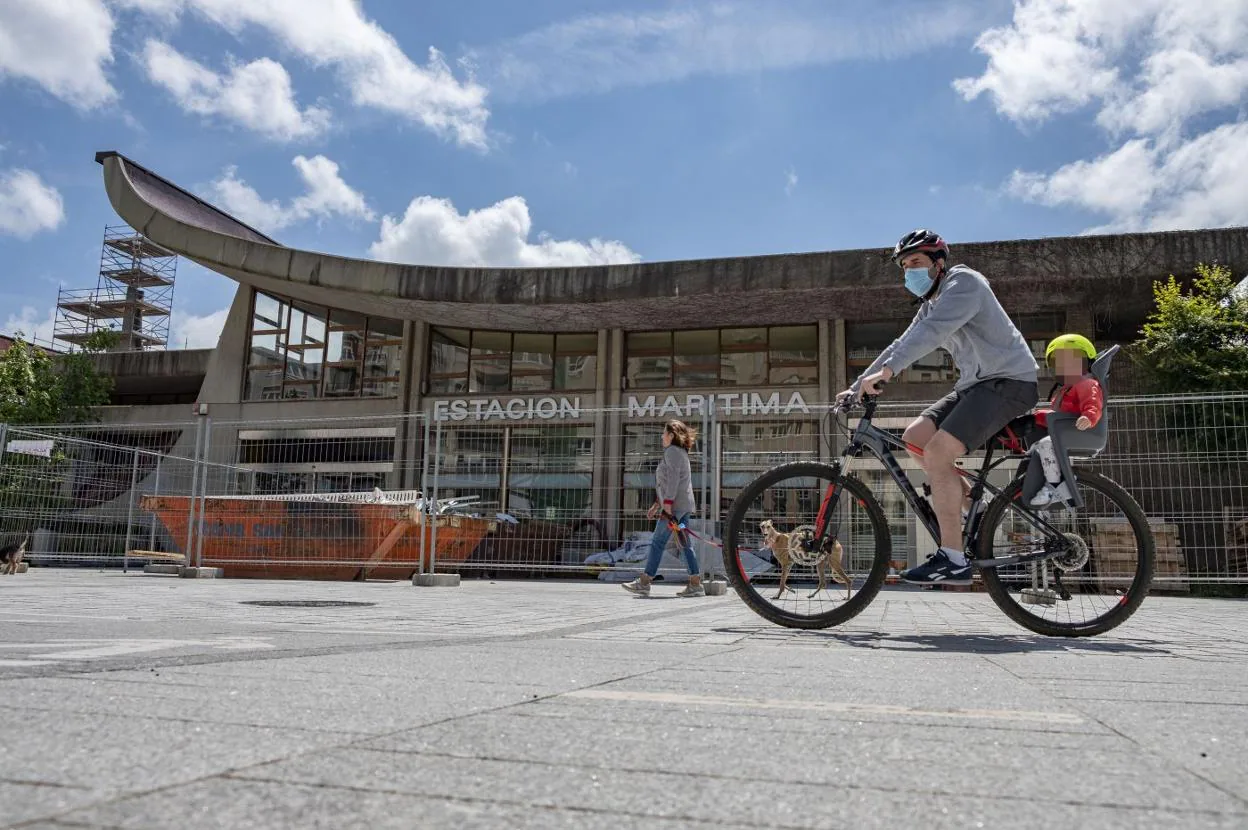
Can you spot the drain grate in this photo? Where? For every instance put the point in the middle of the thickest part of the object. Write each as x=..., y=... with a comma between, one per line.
x=307, y=603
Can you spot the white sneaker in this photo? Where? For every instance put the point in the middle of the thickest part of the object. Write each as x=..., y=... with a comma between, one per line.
x=1049, y=495
x=638, y=587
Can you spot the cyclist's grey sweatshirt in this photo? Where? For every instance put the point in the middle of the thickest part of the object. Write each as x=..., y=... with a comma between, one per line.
x=965, y=319
x=674, y=481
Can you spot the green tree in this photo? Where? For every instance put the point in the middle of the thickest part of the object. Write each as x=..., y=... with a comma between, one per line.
x=38, y=388
x=1196, y=341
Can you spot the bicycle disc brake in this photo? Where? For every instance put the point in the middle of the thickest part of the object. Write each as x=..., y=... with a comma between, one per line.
x=802, y=541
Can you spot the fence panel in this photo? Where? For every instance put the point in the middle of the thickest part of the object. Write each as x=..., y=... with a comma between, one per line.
x=323, y=498
x=567, y=495
x=75, y=493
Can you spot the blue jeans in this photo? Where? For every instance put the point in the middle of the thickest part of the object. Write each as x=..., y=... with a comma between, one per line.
x=663, y=532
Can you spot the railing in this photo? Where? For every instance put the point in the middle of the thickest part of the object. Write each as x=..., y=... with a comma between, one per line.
x=388, y=496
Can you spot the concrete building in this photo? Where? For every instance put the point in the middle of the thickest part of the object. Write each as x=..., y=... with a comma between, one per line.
x=520, y=365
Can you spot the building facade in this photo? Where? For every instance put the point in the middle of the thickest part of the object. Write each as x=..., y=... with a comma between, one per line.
x=545, y=389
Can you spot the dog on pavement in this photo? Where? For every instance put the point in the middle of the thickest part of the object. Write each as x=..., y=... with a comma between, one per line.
x=11, y=557
x=778, y=543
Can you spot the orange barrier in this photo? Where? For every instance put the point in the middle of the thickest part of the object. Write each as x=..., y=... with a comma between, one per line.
x=290, y=539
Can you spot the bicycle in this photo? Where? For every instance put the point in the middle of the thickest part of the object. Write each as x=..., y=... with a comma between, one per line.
x=1098, y=542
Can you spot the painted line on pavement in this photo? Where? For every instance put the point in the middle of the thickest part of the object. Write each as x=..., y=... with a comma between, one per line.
x=1014, y=715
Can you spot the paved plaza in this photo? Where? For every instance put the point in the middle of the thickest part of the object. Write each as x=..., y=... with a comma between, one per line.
x=153, y=702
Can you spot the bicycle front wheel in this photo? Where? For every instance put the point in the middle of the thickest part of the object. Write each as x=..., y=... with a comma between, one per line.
x=1093, y=587
x=776, y=575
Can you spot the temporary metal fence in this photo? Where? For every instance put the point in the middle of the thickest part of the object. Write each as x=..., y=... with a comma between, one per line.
x=566, y=495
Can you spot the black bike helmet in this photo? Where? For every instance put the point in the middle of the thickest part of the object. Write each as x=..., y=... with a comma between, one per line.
x=922, y=240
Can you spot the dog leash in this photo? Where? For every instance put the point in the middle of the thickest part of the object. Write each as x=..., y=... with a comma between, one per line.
x=682, y=532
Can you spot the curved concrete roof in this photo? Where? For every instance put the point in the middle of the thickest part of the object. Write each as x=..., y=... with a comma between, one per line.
x=1094, y=271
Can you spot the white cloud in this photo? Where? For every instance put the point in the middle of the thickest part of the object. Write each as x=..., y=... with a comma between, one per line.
x=27, y=205
x=790, y=181
x=257, y=95
x=600, y=52
x=190, y=331
x=326, y=195
x=34, y=325
x=432, y=232
x=1149, y=187
x=335, y=33
x=61, y=45
x=1151, y=69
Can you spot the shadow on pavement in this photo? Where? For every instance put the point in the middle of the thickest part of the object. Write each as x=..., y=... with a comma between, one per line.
x=970, y=643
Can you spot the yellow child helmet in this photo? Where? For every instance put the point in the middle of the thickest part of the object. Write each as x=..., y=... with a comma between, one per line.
x=1070, y=341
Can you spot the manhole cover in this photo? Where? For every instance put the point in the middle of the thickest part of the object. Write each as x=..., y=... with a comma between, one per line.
x=307, y=603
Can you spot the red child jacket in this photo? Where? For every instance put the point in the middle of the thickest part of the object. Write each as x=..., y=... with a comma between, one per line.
x=1082, y=398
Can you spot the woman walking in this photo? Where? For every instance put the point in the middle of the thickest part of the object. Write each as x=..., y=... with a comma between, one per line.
x=674, y=487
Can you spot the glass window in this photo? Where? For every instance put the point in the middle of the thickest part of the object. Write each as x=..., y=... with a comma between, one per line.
x=532, y=363
x=344, y=351
x=649, y=359
x=747, y=449
x=865, y=341
x=748, y=340
x=270, y=314
x=743, y=358
x=490, y=343
x=696, y=358
x=576, y=361
x=489, y=369
x=497, y=362
x=383, y=357
x=550, y=472
x=794, y=346
x=302, y=351
x=448, y=361
x=723, y=357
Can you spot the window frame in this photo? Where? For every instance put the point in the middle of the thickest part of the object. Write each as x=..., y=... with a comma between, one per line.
x=764, y=348
x=288, y=388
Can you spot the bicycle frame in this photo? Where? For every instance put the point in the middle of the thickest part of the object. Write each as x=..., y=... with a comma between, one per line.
x=880, y=444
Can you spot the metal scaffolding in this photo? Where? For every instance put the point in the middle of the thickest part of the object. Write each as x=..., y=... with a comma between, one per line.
x=133, y=295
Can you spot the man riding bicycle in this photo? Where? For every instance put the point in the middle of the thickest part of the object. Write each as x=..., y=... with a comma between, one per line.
x=996, y=383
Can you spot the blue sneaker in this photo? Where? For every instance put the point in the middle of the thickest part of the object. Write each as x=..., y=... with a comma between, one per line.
x=938, y=570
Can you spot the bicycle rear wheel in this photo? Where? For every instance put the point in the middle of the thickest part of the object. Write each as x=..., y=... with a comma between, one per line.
x=1107, y=573
x=812, y=594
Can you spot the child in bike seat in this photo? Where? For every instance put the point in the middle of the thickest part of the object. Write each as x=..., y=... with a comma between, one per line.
x=1076, y=392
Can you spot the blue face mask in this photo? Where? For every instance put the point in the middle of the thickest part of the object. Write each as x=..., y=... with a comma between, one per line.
x=918, y=281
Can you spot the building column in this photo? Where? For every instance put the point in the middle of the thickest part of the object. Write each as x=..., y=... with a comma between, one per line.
x=838, y=356
x=410, y=433
x=609, y=436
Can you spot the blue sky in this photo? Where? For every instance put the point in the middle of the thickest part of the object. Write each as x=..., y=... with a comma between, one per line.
x=574, y=131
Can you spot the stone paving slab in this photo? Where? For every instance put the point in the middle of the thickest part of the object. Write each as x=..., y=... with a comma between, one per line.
x=138, y=701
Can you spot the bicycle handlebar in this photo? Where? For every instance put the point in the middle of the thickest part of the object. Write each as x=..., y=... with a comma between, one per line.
x=864, y=400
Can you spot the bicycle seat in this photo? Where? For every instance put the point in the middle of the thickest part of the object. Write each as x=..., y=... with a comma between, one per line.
x=1069, y=442
x=1087, y=443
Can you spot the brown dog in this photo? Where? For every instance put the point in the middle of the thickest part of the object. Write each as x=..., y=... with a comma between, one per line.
x=778, y=543
x=12, y=557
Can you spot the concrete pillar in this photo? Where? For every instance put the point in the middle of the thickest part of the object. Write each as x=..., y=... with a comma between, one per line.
x=409, y=433
x=598, y=482
x=826, y=348
x=609, y=443
x=840, y=378
x=226, y=372
x=827, y=359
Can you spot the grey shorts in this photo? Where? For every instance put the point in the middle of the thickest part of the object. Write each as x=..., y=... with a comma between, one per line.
x=976, y=413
